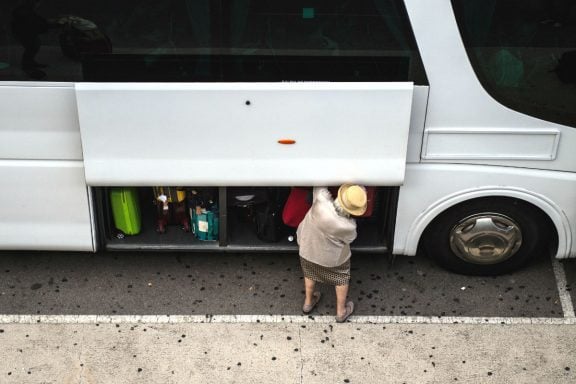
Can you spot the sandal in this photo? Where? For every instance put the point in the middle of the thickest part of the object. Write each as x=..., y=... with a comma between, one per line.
x=308, y=308
x=349, y=310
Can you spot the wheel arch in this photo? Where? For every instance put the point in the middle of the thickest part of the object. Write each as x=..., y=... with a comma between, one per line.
x=560, y=222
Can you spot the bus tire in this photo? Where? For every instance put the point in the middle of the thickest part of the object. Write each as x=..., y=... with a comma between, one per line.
x=487, y=236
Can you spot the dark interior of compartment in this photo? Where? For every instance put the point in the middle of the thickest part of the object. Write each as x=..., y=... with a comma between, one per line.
x=246, y=206
x=372, y=231
x=238, y=208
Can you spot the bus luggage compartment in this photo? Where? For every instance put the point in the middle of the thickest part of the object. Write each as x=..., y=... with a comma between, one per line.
x=239, y=213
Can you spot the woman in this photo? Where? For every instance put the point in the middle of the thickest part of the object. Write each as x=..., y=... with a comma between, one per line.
x=324, y=238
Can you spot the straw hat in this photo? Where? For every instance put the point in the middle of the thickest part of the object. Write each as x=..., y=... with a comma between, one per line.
x=353, y=199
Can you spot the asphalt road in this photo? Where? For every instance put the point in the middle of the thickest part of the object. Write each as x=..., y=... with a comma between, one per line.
x=262, y=284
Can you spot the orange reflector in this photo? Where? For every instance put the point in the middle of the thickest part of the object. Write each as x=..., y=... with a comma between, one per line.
x=286, y=141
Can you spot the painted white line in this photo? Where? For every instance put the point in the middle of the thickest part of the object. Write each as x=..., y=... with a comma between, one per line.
x=561, y=283
x=267, y=319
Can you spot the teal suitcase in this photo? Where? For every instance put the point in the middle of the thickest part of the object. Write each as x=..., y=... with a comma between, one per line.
x=205, y=225
x=126, y=210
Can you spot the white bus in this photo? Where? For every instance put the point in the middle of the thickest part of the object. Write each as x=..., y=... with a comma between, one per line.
x=461, y=113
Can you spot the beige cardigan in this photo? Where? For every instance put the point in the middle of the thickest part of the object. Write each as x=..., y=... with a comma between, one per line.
x=323, y=236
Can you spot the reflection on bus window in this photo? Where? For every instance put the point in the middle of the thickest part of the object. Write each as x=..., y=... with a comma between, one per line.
x=203, y=40
x=524, y=53
x=27, y=26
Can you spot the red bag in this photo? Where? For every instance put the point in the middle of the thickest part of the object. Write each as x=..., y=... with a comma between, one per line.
x=371, y=196
x=298, y=203
x=296, y=206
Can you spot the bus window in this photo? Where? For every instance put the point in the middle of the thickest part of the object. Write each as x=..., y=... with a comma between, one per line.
x=521, y=51
x=207, y=41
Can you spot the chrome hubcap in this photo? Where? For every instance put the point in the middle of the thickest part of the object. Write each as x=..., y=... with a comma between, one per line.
x=485, y=238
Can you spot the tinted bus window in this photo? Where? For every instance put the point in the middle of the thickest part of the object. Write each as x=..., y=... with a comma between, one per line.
x=203, y=40
x=524, y=53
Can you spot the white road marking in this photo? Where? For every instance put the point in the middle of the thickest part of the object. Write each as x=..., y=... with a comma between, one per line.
x=561, y=283
x=237, y=319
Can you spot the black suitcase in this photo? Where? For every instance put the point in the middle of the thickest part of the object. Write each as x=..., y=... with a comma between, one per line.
x=268, y=222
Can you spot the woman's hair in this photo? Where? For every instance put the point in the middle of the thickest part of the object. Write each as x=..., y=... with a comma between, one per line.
x=339, y=210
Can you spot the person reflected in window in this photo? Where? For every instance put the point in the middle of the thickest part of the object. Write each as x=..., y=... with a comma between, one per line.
x=27, y=26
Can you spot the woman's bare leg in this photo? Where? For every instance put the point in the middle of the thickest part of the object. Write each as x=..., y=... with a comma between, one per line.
x=341, y=295
x=309, y=287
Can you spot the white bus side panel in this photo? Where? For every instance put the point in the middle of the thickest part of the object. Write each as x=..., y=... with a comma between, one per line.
x=417, y=119
x=464, y=122
x=430, y=189
x=44, y=206
x=43, y=197
x=228, y=133
x=39, y=122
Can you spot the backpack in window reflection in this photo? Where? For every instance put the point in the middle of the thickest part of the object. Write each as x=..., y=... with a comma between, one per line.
x=566, y=68
x=82, y=37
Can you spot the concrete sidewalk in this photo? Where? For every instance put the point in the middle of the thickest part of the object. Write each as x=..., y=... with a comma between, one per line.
x=287, y=353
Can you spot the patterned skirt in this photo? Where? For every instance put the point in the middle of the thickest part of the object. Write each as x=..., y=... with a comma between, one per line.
x=339, y=275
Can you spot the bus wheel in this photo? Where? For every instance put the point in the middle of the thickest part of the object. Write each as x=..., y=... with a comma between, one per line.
x=487, y=236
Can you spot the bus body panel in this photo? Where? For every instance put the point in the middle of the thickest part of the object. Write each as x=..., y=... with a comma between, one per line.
x=39, y=122
x=449, y=184
x=44, y=206
x=230, y=133
x=417, y=119
x=461, y=110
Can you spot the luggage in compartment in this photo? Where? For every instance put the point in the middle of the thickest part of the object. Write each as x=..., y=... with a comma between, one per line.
x=125, y=210
x=204, y=213
x=242, y=202
x=298, y=203
x=371, y=197
x=221, y=218
x=205, y=225
x=170, y=208
x=300, y=200
x=260, y=209
x=268, y=222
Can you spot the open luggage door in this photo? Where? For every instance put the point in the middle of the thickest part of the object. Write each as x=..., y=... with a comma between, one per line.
x=258, y=134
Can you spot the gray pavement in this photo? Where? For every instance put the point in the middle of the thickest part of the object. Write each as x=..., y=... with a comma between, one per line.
x=255, y=352
x=195, y=284
x=287, y=353
x=570, y=271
